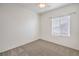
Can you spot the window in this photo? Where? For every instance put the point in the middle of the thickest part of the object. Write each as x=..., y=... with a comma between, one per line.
x=61, y=25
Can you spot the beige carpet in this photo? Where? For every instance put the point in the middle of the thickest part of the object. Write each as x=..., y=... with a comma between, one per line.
x=41, y=48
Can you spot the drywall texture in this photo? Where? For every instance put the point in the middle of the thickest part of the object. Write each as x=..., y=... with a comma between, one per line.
x=46, y=26
x=18, y=26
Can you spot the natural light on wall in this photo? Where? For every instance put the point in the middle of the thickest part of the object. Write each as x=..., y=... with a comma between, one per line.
x=61, y=25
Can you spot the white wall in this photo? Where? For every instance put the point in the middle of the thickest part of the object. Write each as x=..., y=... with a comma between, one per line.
x=46, y=26
x=18, y=26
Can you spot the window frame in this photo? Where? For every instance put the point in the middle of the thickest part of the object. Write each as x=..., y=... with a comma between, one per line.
x=68, y=26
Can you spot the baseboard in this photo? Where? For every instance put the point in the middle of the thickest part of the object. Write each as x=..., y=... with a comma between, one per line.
x=7, y=49
x=34, y=41
x=59, y=44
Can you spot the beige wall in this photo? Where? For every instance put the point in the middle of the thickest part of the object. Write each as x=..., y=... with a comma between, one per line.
x=46, y=26
x=18, y=26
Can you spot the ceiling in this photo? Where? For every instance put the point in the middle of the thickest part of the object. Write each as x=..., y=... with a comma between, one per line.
x=36, y=9
x=34, y=6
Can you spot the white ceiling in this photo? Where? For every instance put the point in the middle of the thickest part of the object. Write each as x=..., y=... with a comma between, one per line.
x=35, y=8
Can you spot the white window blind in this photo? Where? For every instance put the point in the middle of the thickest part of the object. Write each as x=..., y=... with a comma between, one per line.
x=61, y=25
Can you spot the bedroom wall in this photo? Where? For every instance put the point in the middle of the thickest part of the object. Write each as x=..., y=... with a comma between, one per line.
x=46, y=26
x=18, y=26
